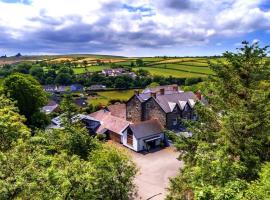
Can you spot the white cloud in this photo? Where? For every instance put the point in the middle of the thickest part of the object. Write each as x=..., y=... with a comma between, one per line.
x=135, y=23
x=255, y=41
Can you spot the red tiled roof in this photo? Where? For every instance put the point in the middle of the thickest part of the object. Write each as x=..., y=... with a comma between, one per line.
x=118, y=110
x=109, y=122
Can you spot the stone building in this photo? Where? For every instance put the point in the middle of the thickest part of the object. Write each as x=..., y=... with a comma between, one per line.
x=167, y=104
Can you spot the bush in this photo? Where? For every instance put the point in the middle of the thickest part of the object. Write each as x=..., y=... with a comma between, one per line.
x=101, y=137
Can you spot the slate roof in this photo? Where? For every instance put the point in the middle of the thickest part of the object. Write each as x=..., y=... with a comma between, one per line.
x=169, y=101
x=109, y=122
x=81, y=102
x=168, y=89
x=50, y=107
x=76, y=87
x=146, y=128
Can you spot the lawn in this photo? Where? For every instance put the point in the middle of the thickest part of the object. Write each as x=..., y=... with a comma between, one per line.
x=170, y=72
x=105, y=96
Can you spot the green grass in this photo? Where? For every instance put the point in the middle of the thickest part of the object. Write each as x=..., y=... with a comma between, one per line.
x=185, y=68
x=105, y=96
x=193, y=63
x=170, y=72
x=152, y=59
x=81, y=70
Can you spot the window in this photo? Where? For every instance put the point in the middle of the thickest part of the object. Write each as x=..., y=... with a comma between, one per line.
x=129, y=137
x=129, y=114
x=174, y=122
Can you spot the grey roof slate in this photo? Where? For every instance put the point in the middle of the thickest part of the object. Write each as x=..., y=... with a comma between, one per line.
x=146, y=128
x=165, y=101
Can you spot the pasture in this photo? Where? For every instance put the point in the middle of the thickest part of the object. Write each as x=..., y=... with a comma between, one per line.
x=103, y=98
x=81, y=70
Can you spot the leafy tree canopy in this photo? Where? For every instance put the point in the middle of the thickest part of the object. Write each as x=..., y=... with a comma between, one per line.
x=26, y=92
x=231, y=138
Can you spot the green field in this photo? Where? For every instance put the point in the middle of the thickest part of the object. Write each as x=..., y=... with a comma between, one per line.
x=81, y=70
x=170, y=72
x=103, y=98
x=185, y=68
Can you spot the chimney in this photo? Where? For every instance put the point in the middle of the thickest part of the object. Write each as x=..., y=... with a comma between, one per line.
x=153, y=94
x=136, y=92
x=162, y=91
x=199, y=95
x=175, y=88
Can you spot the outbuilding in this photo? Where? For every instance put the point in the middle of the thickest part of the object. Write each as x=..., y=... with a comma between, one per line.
x=144, y=135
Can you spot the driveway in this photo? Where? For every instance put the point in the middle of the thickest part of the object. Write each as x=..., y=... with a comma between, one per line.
x=155, y=169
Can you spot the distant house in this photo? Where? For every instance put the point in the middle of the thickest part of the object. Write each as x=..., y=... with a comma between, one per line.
x=97, y=87
x=55, y=88
x=113, y=72
x=49, y=88
x=81, y=102
x=118, y=72
x=131, y=74
x=76, y=88
x=50, y=107
x=62, y=88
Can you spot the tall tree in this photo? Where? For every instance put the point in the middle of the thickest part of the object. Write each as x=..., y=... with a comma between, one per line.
x=230, y=140
x=11, y=124
x=27, y=92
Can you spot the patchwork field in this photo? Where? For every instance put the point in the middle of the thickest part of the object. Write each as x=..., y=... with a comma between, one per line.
x=182, y=67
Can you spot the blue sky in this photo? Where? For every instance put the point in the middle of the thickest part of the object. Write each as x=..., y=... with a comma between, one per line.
x=132, y=27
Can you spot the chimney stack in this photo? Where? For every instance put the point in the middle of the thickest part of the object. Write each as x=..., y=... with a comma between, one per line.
x=199, y=95
x=153, y=94
x=136, y=92
x=162, y=91
x=175, y=88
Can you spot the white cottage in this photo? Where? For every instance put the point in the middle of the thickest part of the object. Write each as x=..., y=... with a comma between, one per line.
x=143, y=136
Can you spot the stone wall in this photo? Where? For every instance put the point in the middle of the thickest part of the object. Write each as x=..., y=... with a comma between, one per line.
x=153, y=111
x=134, y=110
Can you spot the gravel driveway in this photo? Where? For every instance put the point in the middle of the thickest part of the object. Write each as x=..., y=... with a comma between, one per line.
x=155, y=169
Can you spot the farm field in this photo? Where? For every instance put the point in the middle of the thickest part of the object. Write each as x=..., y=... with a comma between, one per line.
x=81, y=70
x=169, y=72
x=185, y=68
x=104, y=97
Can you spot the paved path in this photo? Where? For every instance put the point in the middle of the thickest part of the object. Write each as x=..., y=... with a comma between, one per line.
x=155, y=169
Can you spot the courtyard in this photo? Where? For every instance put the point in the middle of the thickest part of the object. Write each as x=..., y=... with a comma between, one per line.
x=155, y=169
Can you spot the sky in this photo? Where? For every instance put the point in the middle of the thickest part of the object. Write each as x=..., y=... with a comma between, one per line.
x=132, y=27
